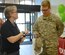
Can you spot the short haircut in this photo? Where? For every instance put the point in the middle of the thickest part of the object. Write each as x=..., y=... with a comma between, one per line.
x=9, y=9
x=46, y=3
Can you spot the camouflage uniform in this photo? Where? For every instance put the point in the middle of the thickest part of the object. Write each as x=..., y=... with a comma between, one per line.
x=49, y=29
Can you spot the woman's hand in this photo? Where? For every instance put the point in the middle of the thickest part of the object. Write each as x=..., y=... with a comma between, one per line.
x=22, y=39
x=36, y=34
x=26, y=32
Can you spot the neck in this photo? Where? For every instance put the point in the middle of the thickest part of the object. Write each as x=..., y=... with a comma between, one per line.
x=47, y=14
x=11, y=20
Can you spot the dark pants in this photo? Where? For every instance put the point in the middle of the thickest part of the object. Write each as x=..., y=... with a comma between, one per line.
x=14, y=53
x=0, y=53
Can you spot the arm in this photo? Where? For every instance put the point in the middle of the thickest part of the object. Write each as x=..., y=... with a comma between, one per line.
x=59, y=26
x=35, y=29
x=22, y=39
x=21, y=36
x=24, y=35
x=13, y=39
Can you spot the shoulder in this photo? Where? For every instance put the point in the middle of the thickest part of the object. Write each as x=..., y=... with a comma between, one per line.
x=5, y=25
x=55, y=17
x=39, y=18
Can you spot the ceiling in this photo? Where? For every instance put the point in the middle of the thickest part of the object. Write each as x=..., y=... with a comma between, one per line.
x=53, y=2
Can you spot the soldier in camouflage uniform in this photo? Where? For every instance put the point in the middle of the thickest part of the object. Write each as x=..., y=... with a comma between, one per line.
x=47, y=28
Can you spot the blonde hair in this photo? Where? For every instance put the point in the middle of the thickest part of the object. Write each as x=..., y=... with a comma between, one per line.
x=9, y=9
x=46, y=3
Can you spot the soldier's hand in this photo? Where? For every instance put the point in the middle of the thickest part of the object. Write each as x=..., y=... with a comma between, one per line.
x=36, y=34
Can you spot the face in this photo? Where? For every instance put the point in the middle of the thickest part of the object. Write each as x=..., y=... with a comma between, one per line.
x=14, y=14
x=45, y=10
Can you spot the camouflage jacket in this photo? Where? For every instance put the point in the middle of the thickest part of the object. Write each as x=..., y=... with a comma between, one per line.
x=49, y=28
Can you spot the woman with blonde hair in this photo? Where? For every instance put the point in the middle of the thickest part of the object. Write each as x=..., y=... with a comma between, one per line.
x=11, y=35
